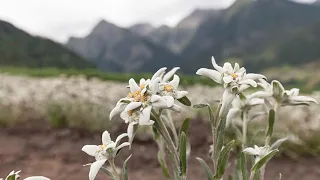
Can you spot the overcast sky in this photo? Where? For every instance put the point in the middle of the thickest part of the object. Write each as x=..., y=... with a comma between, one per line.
x=60, y=19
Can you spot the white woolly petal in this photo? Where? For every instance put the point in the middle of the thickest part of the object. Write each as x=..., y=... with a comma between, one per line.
x=249, y=81
x=122, y=145
x=259, y=94
x=170, y=100
x=95, y=167
x=256, y=101
x=175, y=81
x=116, y=110
x=227, y=67
x=236, y=67
x=169, y=74
x=254, y=76
x=145, y=116
x=243, y=87
x=120, y=137
x=227, y=99
x=37, y=178
x=181, y=94
x=216, y=66
x=233, y=113
x=132, y=106
x=227, y=79
x=158, y=101
x=142, y=82
x=106, y=137
x=212, y=74
x=125, y=116
x=176, y=108
x=251, y=151
x=302, y=99
x=90, y=149
x=154, y=85
x=133, y=85
x=159, y=73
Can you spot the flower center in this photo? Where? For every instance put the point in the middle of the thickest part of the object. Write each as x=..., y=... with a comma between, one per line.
x=130, y=112
x=137, y=95
x=234, y=76
x=168, y=88
x=102, y=147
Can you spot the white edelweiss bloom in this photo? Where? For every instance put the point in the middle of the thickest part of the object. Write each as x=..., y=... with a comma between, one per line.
x=13, y=173
x=239, y=105
x=107, y=151
x=17, y=176
x=257, y=152
x=282, y=96
x=235, y=77
x=163, y=76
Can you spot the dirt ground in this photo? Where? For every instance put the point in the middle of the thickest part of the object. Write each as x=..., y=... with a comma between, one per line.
x=38, y=149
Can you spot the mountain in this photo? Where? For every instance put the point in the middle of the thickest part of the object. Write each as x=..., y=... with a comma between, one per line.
x=142, y=29
x=177, y=37
x=18, y=48
x=113, y=48
x=245, y=29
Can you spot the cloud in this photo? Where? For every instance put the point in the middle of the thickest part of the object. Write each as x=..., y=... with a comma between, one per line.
x=59, y=19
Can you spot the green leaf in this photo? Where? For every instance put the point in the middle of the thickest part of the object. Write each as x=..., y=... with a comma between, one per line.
x=163, y=166
x=12, y=177
x=125, y=169
x=185, y=101
x=223, y=160
x=271, y=122
x=109, y=173
x=199, y=106
x=205, y=168
x=264, y=160
x=185, y=126
x=279, y=176
x=183, y=153
x=243, y=166
x=220, y=135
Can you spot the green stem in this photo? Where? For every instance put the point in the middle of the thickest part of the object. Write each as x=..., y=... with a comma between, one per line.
x=267, y=143
x=214, y=124
x=170, y=144
x=244, y=128
x=173, y=128
x=114, y=169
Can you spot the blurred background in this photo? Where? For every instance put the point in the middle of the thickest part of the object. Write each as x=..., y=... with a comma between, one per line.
x=64, y=65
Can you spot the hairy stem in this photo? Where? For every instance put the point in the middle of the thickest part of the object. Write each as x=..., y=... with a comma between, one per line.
x=114, y=169
x=244, y=128
x=173, y=128
x=169, y=142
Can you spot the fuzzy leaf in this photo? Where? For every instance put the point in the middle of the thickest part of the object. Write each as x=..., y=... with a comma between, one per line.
x=125, y=169
x=206, y=168
x=278, y=143
x=223, y=160
x=164, y=167
x=243, y=166
x=109, y=173
x=185, y=126
x=263, y=160
x=271, y=122
x=155, y=133
x=199, y=106
x=185, y=101
x=12, y=177
x=183, y=153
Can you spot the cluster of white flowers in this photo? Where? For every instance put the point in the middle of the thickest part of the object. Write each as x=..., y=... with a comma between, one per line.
x=156, y=93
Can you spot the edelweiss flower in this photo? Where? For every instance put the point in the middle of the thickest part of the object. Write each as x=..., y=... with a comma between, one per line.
x=107, y=151
x=239, y=105
x=282, y=96
x=230, y=77
x=16, y=176
x=258, y=152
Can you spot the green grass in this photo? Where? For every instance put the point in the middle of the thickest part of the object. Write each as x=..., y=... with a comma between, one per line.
x=93, y=73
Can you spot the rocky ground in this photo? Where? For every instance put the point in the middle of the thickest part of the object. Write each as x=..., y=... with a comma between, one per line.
x=38, y=149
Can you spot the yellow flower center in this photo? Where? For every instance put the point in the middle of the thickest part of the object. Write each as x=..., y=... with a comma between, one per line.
x=168, y=88
x=130, y=112
x=137, y=95
x=234, y=76
x=101, y=147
